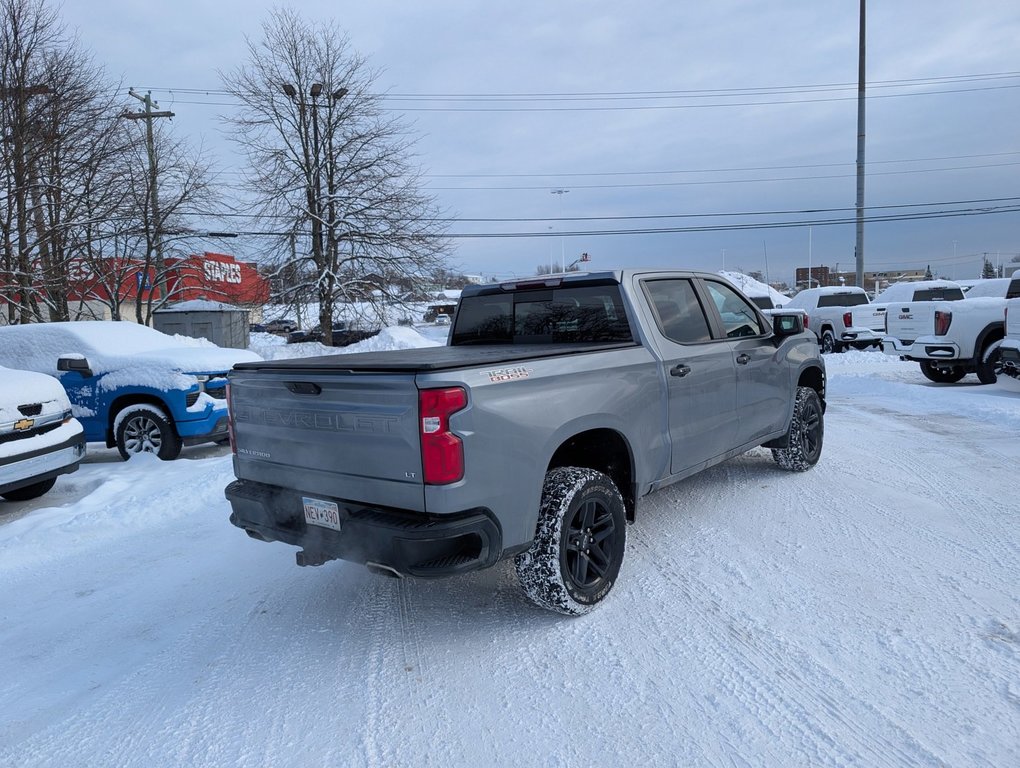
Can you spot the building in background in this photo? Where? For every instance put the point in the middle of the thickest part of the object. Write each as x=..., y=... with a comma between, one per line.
x=96, y=286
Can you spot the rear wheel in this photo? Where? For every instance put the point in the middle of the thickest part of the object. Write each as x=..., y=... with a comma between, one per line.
x=146, y=429
x=27, y=492
x=578, y=548
x=807, y=430
x=942, y=375
x=829, y=343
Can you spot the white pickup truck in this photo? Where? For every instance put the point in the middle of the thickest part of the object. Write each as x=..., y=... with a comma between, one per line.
x=951, y=339
x=1009, y=349
x=827, y=312
x=866, y=323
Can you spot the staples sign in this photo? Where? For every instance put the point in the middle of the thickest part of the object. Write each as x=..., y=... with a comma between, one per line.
x=220, y=272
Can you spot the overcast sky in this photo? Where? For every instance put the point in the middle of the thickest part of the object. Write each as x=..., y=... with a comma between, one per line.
x=716, y=108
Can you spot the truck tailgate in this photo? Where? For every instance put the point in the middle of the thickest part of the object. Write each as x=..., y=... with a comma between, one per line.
x=871, y=317
x=286, y=424
x=911, y=321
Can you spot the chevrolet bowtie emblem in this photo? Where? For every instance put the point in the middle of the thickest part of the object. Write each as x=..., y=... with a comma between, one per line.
x=20, y=426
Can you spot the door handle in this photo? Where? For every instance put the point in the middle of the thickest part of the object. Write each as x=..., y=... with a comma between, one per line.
x=680, y=370
x=743, y=359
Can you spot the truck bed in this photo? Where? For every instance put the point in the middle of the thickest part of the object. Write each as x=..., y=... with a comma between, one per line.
x=431, y=358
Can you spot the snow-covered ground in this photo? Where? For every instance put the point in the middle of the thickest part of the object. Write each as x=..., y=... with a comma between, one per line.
x=865, y=613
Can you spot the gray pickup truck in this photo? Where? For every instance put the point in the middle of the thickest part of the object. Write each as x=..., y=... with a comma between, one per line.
x=557, y=405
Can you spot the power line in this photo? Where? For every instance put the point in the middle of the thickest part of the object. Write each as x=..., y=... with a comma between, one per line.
x=946, y=213
x=638, y=217
x=720, y=181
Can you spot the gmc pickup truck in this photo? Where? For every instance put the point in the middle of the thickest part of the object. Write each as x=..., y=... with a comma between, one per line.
x=556, y=406
x=1009, y=349
x=951, y=339
x=828, y=311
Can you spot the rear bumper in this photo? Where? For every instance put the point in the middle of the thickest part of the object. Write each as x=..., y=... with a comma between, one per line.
x=925, y=348
x=401, y=543
x=26, y=469
x=857, y=336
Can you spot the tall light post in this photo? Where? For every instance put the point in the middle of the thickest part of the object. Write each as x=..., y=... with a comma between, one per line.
x=560, y=193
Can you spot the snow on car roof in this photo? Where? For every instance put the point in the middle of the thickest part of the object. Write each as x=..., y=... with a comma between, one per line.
x=110, y=345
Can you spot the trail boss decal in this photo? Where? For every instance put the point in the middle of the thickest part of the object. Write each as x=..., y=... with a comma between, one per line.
x=508, y=374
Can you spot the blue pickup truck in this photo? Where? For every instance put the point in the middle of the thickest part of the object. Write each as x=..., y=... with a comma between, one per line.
x=130, y=386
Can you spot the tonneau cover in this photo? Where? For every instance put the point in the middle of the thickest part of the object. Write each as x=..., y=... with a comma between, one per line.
x=430, y=358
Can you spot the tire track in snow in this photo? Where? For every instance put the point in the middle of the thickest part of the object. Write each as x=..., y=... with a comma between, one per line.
x=824, y=727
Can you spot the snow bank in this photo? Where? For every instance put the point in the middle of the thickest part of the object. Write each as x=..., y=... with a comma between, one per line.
x=751, y=287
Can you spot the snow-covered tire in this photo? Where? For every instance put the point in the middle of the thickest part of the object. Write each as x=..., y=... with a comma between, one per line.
x=990, y=365
x=828, y=342
x=579, y=544
x=807, y=430
x=146, y=428
x=27, y=492
x=940, y=375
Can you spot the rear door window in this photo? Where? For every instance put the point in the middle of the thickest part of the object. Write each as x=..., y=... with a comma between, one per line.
x=678, y=313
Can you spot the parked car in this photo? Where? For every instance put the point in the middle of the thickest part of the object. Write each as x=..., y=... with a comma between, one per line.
x=442, y=319
x=343, y=335
x=827, y=314
x=1009, y=349
x=130, y=386
x=280, y=326
x=556, y=407
x=39, y=438
x=951, y=339
x=867, y=322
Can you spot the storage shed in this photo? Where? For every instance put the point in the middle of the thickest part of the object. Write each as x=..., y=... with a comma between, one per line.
x=223, y=324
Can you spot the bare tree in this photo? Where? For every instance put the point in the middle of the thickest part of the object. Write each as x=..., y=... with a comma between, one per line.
x=323, y=156
x=28, y=30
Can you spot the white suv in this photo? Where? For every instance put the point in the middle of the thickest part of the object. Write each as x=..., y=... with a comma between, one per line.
x=39, y=438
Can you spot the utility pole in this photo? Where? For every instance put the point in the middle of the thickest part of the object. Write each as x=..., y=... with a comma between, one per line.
x=150, y=144
x=859, y=250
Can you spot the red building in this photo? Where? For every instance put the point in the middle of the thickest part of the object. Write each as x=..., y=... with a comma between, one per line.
x=213, y=276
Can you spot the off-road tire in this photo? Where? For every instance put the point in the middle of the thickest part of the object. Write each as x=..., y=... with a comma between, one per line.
x=807, y=431
x=939, y=376
x=145, y=428
x=579, y=543
x=28, y=492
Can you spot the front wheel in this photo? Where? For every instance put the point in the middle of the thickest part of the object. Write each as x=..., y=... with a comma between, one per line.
x=578, y=548
x=989, y=367
x=27, y=492
x=942, y=375
x=146, y=429
x=807, y=429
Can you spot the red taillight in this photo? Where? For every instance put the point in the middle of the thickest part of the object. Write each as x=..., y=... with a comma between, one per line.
x=230, y=422
x=442, y=452
x=942, y=322
x=848, y=319
x=805, y=320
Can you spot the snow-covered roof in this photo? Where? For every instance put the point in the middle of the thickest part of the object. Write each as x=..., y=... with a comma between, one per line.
x=907, y=289
x=113, y=346
x=751, y=287
x=200, y=305
x=993, y=287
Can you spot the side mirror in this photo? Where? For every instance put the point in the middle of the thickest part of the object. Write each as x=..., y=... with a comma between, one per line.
x=787, y=323
x=79, y=364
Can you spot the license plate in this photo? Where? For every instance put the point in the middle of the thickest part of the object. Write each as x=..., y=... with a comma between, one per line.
x=324, y=514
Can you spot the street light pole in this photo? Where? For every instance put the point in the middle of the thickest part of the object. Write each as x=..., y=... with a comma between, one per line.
x=560, y=193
